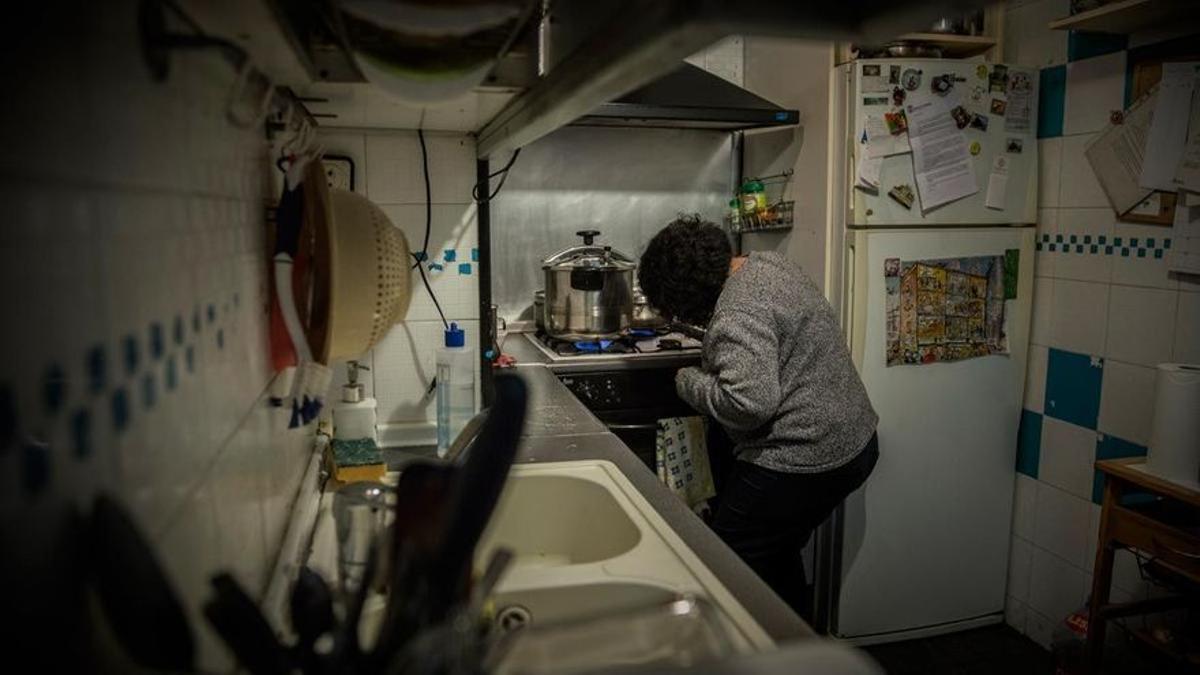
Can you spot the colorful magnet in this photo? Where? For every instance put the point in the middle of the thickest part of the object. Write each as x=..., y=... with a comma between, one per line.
x=898, y=95
x=893, y=74
x=976, y=148
x=875, y=100
x=941, y=84
x=998, y=107
x=998, y=80
x=961, y=117
x=1015, y=145
x=897, y=122
x=977, y=94
x=904, y=195
x=911, y=79
x=981, y=72
x=979, y=122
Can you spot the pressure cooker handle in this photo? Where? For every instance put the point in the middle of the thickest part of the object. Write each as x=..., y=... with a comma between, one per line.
x=588, y=236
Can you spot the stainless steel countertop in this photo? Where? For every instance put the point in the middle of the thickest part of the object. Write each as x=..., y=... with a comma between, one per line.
x=519, y=347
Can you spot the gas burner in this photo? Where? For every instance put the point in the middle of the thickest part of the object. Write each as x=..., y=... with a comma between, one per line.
x=636, y=341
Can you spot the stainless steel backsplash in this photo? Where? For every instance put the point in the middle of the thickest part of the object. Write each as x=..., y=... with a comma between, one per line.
x=627, y=183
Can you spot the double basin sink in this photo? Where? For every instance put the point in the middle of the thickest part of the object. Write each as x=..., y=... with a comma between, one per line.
x=600, y=579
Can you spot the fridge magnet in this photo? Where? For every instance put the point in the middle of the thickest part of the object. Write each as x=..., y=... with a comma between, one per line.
x=911, y=79
x=1019, y=81
x=975, y=148
x=872, y=78
x=898, y=95
x=998, y=106
x=947, y=309
x=998, y=80
x=981, y=72
x=893, y=74
x=897, y=122
x=941, y=84
x=979, y=122
x=1015, y=145
x=875, y=100
x=977, y=93
x=961, y=117
x=904, y=195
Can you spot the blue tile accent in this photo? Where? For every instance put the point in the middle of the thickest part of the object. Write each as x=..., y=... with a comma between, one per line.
x=474, y=255
x=421, y=256
x=1158, y=254
x=1141, y=253
x=1072, y=239
x=54, y=389
x=1038, y=246
x=96, y=365
x=35, y=468
x=1166, y=243
x=1133, y=242
x=156, y=340
x=1108, y=250
x=1111, y=447
x=130, y=349
x=1087, y=238
x=1029, y=443
x=1052, y=96
x=1073, y=388
x=464, y=268
x=1124, y=253
x=1084, y=45
x=1116, y=241
x=8, y=418
x=211, y=312
x=81, y=433
x=1093, y=248
x=1079, y=248
x=120, y=410
x=1058, y=238
x=1150, y=242
x=1101, y=239
x=449, y=255
x=436, y=267
x=1051, y=247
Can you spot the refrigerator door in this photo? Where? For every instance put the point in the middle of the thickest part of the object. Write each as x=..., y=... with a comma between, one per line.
x=971, y=90
x=925, y=541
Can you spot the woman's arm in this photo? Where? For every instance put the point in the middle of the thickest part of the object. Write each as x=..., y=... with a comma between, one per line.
x=740, y=386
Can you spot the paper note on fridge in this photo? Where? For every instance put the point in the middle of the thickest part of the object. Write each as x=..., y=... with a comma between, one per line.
x=1165, y=142
x=997, y=192
x=941, y=161
x=868, y=171
x=880, y=140
x=1116, y=155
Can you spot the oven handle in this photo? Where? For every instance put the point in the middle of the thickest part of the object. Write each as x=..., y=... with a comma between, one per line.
x=633, y=427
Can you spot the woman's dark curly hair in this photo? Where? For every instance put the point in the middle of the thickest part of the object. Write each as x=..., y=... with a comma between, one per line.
x=684, y=268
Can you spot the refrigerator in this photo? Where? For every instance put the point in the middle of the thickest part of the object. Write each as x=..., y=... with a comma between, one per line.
x=923, y=547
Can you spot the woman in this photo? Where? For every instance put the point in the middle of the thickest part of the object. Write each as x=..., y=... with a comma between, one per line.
x=777, y=376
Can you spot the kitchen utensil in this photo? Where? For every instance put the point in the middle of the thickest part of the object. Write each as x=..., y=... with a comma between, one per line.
x=464, y=438
x=362, y=284
x=589, y=291
x=497, y=565
x=142, y=608
x=949, y=25
x=360, y=514
x=644, y=316
x=311, y=611
x=237, y=619
x=911, y=50
x=539, y=309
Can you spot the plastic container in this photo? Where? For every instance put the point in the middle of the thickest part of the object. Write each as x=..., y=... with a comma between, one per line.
x=456, y=366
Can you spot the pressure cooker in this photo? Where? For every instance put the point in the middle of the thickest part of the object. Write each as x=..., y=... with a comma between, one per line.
x=589, y=291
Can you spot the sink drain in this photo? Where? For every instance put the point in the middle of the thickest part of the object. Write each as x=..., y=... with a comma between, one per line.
x=512, y=617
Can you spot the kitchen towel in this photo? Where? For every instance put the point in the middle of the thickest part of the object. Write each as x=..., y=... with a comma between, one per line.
x=1175, y=437
x=681, y=455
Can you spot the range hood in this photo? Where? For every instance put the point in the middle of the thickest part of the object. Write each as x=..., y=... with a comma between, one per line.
x=690, y=98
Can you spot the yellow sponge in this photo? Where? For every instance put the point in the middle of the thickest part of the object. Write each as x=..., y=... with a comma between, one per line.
x=358, y=459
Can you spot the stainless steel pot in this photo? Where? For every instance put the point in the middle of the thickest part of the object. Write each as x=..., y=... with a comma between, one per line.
x=589, y=291
x=539, y=310
x=644, y=315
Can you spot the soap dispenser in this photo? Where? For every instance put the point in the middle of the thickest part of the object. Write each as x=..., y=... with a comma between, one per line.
x=354, y=415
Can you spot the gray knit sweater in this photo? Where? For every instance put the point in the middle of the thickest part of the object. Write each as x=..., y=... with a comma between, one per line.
x=776, y=372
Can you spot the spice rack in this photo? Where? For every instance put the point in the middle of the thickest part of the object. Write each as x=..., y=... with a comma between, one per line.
x=778, y=216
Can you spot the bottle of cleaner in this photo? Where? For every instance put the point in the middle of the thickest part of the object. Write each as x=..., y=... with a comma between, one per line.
x=456, y=365
x=354, y=416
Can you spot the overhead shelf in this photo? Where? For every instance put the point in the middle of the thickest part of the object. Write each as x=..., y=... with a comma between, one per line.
x=953, y=46
x=1129, y=16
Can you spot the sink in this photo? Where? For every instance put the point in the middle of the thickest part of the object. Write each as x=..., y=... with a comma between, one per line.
x=537, y=606
x=552, y=520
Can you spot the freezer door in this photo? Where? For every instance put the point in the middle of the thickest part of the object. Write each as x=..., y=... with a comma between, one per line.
x=925, y=541
x=971, y=90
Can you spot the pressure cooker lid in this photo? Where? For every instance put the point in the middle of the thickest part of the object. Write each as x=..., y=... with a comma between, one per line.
x=590, y=256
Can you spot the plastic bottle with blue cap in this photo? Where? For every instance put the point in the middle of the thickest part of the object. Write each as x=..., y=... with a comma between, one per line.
x=456, y=366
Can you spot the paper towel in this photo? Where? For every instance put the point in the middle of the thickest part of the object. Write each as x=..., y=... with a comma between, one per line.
x=1175, y=438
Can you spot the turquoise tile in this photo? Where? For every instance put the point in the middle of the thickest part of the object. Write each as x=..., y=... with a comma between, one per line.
x=1073, y=388
x=1052, y=94
x=1093, y=248
x=1111, y=447
x=1158, y=254
x=1166, y=243
x=1083, y=45
x=1029, y=443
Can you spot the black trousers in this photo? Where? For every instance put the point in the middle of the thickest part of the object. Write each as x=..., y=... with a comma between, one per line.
x=767, y=517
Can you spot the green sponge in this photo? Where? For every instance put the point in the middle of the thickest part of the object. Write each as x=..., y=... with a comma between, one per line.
x=356, y=459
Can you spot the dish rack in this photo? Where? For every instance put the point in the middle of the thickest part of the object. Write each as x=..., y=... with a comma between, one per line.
x=778, y=216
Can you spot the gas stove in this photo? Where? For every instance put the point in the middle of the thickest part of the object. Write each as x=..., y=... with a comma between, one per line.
x=636, y=348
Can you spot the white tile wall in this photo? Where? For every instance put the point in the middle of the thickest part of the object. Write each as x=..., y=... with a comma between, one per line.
x=136, y=206
x=1127, y=401
x=393, y=174
x=1060, y=523
x=1066, y=463
x=1084, y=266
x=1039, y=627
x=1093, y=536
x=1078, y=186
x=1095, y=87
x=1056, y=587
x=1187, y=329
x=1148, y=271
x=1020, y=567
x=1043, y=311
x=1044, y=260
x=1015, y=613
x=1079, y=313
x=1049, y=171
x=1035, y=379
x=1024, y=506
x=1141, y=325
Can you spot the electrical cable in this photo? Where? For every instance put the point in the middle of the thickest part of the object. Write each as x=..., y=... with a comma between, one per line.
x=482, y=186
x=423, y=255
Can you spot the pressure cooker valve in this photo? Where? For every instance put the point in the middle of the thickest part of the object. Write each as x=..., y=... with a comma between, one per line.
x=588, y=236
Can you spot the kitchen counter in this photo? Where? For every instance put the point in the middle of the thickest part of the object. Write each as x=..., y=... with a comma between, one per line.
x=559, y=428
